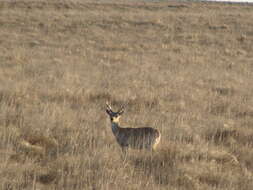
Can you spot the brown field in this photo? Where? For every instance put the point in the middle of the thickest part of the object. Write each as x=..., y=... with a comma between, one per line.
x=183, y=68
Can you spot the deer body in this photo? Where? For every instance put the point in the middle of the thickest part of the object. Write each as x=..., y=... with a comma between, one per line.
x=136, y=138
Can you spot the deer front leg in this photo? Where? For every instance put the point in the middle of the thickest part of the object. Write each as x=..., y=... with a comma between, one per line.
x=124, y=153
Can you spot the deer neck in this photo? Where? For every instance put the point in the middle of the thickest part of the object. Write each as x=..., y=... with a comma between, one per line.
x=115, y=127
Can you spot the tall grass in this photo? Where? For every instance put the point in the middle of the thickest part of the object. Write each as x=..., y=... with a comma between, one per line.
x=185, y=69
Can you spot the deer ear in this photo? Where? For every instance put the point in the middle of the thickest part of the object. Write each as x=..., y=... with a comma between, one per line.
x=108, y=111
x=121, y=112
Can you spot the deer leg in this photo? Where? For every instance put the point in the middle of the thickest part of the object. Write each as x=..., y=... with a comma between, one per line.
x=124, y=153
x=124, y=150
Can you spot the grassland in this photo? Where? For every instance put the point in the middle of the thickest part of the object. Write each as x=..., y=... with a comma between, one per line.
x=183, y=68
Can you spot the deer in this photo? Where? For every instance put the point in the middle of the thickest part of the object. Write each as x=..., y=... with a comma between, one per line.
x=135, y=138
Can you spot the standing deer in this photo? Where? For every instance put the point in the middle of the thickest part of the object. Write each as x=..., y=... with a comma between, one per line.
x=135, y=138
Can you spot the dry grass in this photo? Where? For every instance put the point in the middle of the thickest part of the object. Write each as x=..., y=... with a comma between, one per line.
x=183, y=68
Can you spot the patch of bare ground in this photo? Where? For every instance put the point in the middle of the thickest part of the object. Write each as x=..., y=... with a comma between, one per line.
x=184, y=68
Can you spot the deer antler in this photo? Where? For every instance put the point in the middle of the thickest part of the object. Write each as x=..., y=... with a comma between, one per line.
x=121, y=110
x=108, y=106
